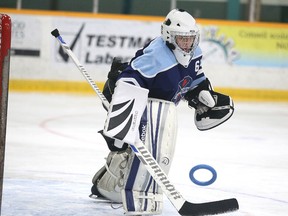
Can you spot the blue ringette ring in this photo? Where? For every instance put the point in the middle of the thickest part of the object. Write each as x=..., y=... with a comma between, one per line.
x=206, y=167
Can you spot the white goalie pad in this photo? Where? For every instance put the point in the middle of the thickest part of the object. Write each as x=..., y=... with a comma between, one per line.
x=158, y=131
x=112, y=181
x=125, y=111
x=221, y=112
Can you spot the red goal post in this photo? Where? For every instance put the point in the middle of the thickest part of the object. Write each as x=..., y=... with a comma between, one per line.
x=5, y=44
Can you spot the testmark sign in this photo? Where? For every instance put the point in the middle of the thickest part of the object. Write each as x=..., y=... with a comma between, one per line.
x=100, y=47
x=108, y=43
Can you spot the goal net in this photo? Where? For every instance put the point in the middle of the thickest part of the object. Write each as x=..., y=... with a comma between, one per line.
x=5, y=43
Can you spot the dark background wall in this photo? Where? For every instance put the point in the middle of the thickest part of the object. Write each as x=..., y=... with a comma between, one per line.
x=199, y=9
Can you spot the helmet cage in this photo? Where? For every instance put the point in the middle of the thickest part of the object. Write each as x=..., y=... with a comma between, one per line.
x=194, y=44
x=180, y=22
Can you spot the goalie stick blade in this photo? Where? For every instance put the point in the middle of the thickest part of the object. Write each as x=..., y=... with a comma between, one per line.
x=210, y=208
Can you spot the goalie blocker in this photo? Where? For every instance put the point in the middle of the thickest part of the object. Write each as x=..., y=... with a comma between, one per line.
x=125, y=112
x=211, y=108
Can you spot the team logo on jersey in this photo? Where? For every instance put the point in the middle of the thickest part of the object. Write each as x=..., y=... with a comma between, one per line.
x=183, y=87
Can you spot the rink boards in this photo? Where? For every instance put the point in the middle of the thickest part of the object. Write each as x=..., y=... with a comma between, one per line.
x=244, y=60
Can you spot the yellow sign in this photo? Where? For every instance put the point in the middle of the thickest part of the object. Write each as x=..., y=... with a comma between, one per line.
x=245, y=44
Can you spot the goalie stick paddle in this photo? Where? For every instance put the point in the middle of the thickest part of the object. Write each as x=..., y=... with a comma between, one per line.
x=183, y=207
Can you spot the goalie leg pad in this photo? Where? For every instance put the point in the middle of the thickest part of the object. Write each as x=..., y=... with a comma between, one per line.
x=96, y=178
x=158, y=131
x=111, y=182
x=217, y=115
x=152, y=201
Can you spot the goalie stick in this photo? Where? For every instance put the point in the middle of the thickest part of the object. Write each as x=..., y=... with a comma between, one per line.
x=183, y=207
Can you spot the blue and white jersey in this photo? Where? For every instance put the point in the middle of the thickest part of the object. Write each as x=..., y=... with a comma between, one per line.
x=155, y=68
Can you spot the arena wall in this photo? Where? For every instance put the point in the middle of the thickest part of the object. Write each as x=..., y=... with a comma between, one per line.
x=245, y=60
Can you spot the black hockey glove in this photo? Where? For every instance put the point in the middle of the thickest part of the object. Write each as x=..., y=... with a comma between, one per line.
x=116, y=68
x=201, y=97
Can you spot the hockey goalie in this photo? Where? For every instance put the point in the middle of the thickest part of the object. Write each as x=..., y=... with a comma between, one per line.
x=143, y=96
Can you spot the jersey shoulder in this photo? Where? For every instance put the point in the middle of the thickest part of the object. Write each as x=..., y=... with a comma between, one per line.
x=197, y=53
x=156, y=58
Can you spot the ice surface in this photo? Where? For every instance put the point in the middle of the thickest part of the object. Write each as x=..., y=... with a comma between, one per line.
x=53, y=150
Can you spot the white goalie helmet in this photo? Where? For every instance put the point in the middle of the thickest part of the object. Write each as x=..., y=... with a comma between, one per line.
x=179, y=30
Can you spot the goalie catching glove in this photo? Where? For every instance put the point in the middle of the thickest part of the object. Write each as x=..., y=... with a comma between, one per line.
x=211, y=108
